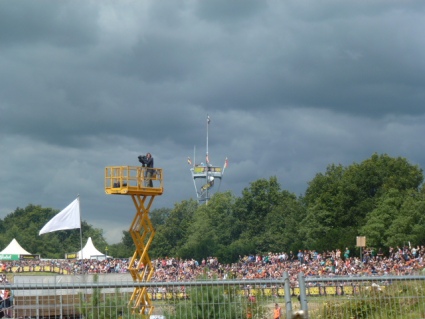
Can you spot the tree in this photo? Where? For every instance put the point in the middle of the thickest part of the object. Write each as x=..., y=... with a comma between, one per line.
x=381, y=218
x=159, y=216
x=282, y=230
x=173, y=234
x=379, y=198
x=339, y=201
x=24, y=225
x=212, y=230
x=408, y=225
x=123, y=249
x=251, y=210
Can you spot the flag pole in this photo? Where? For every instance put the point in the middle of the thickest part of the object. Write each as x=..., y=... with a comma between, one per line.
x=224, y=166
x=208, y=125
x=81, y=230
x=207, y=161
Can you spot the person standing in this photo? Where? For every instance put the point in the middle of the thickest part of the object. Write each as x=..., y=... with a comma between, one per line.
x=147, y=161
x=277, y=312
x=5, y=303
x=346, y=253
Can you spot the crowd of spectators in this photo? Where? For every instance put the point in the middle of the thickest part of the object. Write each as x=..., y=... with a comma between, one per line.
x=405, y=260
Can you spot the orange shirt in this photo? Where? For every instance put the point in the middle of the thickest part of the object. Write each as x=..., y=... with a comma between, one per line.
x=277, y=313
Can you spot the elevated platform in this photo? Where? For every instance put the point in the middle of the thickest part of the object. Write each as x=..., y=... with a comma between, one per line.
x=204, y=171
x=133, y=180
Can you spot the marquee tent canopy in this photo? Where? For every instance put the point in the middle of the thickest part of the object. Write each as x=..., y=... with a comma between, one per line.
x=14, y=249
x=89, y=251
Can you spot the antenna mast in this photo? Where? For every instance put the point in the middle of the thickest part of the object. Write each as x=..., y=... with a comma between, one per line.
x=205, y=175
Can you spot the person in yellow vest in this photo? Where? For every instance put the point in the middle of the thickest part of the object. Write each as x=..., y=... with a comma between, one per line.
x=277, y=312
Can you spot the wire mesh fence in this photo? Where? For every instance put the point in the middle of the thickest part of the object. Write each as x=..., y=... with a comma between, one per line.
x=108, y=296
x=383, y=297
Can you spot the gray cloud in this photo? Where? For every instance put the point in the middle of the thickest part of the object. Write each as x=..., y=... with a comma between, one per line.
x=290, y=87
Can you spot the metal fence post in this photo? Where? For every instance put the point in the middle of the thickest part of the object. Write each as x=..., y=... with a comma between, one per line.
x=303, y=294
x=61, y=307
x=288, y=302
x=37, y=302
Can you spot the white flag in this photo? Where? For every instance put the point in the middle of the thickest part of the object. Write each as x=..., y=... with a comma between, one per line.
x=68, y=218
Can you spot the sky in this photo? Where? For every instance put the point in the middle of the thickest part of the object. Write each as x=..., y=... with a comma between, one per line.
x=290, y=86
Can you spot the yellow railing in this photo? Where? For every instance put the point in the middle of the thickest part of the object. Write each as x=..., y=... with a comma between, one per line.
x=133, y=180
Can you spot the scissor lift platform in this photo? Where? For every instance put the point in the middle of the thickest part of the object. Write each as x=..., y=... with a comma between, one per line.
x=133, y=180
x=143, y=184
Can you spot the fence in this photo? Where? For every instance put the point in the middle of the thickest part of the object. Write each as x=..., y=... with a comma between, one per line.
x=383, y=297
x=108, y=295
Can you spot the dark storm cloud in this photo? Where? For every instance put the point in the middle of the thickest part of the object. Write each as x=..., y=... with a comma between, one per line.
x=62, y=24
x=232, y=12
x=291, y=87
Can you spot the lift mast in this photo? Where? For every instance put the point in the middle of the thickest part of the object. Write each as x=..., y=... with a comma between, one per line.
x=206, y=176
x=134, y=181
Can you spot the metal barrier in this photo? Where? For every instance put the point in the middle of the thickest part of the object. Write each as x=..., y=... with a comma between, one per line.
x=108, y=295
x=392, y=297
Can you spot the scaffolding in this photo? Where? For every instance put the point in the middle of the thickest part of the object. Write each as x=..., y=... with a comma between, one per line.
x=143, y=184
x=205, y=175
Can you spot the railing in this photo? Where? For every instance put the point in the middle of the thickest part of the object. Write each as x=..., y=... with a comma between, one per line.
x=383, y=297
x=133, y=180
x=107, y=296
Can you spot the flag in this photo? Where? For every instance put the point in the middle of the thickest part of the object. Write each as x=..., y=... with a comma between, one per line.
x=208, y=119
x=207, y=159
x=189, y=161
x=226, y=163
x=68, y=218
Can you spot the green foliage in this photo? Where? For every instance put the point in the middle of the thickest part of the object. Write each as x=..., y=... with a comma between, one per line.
x=256, y=202
x=101, y=306
x=24, y=225
x=159, y=216
x=379, y=198
x=282, y=224
x=211, y=230
x=344, y=202
x=214, y=302
x=173, y=234
x=123, y=249
x=397, y=300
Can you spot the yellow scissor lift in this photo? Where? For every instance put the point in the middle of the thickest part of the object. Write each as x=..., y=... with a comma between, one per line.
x=143, y=184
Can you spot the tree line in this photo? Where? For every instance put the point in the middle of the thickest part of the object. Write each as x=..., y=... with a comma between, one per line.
x=381, y=198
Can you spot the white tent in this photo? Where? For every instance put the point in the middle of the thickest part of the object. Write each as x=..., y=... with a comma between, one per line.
x=14, y=249
x=89, y=251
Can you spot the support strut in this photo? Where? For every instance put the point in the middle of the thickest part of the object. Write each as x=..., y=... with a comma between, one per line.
x=141, y=269
x=132, y=180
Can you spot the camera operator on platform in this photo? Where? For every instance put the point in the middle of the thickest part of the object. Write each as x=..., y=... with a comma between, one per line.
x=147, y=161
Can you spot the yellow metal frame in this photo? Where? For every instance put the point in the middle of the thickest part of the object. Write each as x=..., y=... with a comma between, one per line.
x=134, y=181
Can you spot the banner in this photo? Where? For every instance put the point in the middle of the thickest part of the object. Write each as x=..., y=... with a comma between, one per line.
x=9, y=257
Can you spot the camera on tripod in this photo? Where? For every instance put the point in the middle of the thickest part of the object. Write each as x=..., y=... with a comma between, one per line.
x=143, y=159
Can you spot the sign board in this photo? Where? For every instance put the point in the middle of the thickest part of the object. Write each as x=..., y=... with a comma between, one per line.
x=203, y=169
x=9, y=257
x=29, y=257
x=361, y=241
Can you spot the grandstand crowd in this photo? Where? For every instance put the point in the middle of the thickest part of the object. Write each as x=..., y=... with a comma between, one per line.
x=405, y=260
